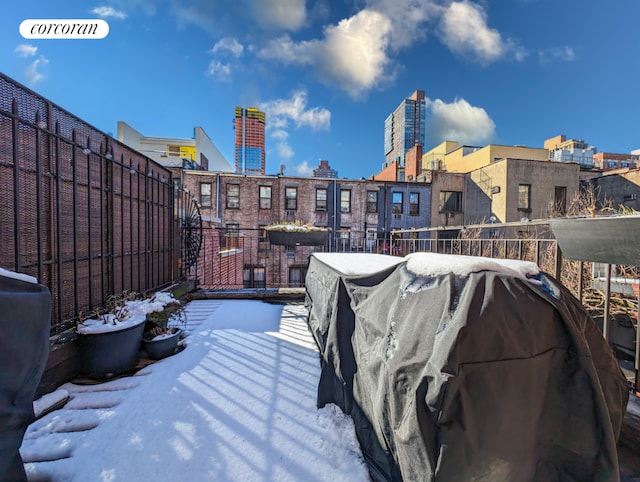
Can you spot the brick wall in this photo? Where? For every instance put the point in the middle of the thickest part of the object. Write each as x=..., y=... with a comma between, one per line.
x=219, y=268
x=390, y=173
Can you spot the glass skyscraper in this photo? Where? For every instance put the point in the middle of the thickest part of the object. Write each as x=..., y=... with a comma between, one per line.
x=404, y=128
x=249, y=126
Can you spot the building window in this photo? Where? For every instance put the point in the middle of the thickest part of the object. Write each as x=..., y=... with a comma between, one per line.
x=231, y=236
x=291, y=198
x=343, y=238
x=524, y=197
x=450, y=201
x=560, y=200
x=297, y=275
x=625, y=164
x=173, y=150
x=345, y=201
x=414, y=204
x=233, y=196
x=254, y=276
x=397, y=201
x=372, y=202
x=321, y=199
x=265, y=197
x=205, y=194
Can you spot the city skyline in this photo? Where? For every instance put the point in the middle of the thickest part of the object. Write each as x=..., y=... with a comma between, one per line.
x=327, y=75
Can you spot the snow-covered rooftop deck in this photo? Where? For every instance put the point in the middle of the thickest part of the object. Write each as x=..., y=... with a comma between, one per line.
x=239, y=403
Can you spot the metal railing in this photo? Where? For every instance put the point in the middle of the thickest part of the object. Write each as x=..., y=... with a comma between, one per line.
x=84, y=214
x=244, y=258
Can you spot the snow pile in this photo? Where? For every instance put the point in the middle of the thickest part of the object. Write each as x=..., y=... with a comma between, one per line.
x=49, y=400
x=355, y=264
x=298, y=228
x=430, y=265
x=19, y=276
x=134, y=312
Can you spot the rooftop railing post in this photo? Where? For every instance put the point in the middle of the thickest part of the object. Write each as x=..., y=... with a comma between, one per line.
x=39, y=204
x=558, y=267
x=637, y=358
x=17, y=225
x=607, y=299
x=74, y=213
x=580, y=280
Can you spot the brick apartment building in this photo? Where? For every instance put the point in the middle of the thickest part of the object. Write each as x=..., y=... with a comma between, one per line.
x=235, y=208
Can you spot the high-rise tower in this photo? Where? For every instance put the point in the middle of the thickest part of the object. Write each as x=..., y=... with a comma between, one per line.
x=404, y=128
x=249, y=125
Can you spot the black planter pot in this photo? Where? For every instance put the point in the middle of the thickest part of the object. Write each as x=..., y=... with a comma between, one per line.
x=104, y=355
x=158, y=349
x=297, y=238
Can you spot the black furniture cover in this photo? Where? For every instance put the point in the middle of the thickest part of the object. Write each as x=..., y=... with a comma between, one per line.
x=25, y=321
x=456, y=369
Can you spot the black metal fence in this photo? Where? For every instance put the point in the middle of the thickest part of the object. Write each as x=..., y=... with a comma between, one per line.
x=240, y=259
x=84, y=214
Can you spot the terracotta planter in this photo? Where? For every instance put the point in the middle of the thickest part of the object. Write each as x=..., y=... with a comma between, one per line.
x=297, y=238
x=162, y=348
x=104, y=355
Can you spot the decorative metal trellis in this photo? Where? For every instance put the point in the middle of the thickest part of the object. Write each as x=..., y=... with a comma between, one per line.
x=190, y=232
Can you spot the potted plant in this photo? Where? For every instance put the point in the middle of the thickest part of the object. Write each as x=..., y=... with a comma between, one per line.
x=296, y=234
x=109, y=338
x=161, y=333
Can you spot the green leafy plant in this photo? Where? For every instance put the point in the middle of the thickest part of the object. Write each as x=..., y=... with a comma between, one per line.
x=115, y=305
x=162, y=322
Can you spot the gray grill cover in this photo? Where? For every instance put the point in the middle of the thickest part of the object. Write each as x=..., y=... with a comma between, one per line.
x=486, y=377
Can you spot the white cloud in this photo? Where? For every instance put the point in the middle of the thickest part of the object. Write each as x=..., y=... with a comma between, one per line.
x=109, y=12
x=280, y=134
x=408, y=18
x=352, y=54
x=285, y=50
x=223, y=18
x=465, y=31
x=25, y=50
x=228, y=45
x=281, y=111
x=285, y=151
x=458, y=121
x=281, y=14
x=355, y=53
x=557, y=54
x=303, y=169
x=33, y=73
x=219, y=71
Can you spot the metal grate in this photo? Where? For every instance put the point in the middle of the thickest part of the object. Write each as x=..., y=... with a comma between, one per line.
x=81, y=212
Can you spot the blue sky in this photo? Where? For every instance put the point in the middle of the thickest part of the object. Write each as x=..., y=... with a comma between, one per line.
x=329, y=72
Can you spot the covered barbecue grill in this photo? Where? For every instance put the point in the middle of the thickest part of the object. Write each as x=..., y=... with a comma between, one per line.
x=458, y=368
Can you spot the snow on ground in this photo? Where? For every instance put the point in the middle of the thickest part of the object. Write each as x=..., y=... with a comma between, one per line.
x=238, y=404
